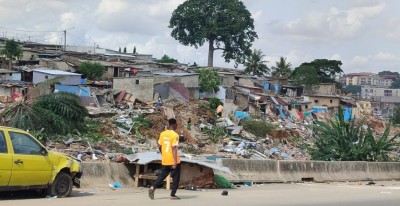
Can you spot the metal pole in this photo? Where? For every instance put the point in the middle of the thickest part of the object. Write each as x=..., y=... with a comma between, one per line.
x=65, y=40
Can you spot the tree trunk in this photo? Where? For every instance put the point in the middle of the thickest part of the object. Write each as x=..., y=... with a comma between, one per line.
x=210, y=53
x=9, y=64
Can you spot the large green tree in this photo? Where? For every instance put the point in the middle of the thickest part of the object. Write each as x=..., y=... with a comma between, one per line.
x=282, y=68
x=226, y=25
x=92, y=70
x=306, y=75
x=255, y=65
x=12, y=50
x=326, y=69
x=209, y=80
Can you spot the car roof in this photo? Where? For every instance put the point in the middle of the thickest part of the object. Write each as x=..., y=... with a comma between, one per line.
x=11, y=128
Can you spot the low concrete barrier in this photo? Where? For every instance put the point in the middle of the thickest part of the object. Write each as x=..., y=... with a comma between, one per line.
x=319, y=171
x=96, y=174
x=268, y=171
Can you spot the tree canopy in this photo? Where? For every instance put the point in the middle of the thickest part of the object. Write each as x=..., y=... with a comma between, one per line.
x=326, y=69
x=255, y=65
x=282, y=68
x=92, y=70
x=306, y=75
x=388, y=73
x=209, y=80
x=167, y=59
x=227, y=25
x=354, y=89
x=12, y=50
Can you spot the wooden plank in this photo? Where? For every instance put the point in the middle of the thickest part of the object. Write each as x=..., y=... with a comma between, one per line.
x=137, y=175
x=145, y=170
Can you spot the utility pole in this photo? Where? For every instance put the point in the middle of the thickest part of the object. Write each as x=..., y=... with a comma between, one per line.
x=65, y=40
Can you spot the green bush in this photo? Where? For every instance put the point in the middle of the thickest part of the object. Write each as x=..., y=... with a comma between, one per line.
x=214, y=103
x=259, y=128
x=338, y=140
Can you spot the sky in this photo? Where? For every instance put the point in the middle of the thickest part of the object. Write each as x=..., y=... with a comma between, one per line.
x=363, y=34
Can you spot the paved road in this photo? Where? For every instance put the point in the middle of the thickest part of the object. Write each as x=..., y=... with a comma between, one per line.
x=354, y=194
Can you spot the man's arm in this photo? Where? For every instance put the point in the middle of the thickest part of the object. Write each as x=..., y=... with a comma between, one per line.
x=160, y=148
x=175, y=154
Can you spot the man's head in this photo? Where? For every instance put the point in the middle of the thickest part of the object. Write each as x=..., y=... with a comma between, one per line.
x=172, y=124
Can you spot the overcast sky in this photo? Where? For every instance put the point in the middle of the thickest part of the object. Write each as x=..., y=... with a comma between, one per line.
x=363, y=34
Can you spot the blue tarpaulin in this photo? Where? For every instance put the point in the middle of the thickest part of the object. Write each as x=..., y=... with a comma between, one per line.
x=266, y=86
x=80, y=91
x=317, y=109
x=277, y=88
x=347, y=114
x=242, y=115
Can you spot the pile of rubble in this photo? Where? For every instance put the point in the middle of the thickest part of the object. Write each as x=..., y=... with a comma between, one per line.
x=121, y=133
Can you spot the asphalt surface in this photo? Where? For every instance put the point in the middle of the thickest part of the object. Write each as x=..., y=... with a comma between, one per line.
x=307, y=194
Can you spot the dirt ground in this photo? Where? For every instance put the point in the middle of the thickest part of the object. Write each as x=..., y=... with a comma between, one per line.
x=310, y=194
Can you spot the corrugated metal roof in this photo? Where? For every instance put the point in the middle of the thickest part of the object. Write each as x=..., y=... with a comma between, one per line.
x=175, y=74
x=55, y=72
x=148, y=157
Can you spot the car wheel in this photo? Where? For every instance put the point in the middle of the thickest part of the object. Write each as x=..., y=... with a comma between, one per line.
x=62, y=185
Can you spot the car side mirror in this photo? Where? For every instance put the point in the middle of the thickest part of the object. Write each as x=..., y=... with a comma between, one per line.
x=44, y=152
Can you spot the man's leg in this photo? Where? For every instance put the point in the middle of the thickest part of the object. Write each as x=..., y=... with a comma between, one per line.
x=165, y=170
x=176, y=176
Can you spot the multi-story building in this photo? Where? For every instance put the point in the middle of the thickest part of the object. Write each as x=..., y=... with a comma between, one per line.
x=371, y=79
x=383, y=99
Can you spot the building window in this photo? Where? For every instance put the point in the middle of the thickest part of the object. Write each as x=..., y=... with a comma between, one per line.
x=46, y=77
x=331, y=101
x=387, y=93
x=306, y=106
x=316, y=101
x=137, y=81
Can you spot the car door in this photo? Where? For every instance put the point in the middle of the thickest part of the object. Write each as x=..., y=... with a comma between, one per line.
x=31, y=166
x=5, y=161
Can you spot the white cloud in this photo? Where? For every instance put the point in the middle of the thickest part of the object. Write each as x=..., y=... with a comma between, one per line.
x=382, y=56
x=328, y=25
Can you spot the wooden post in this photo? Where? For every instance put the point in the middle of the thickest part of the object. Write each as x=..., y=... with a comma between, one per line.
x=145, y=170
x=137, y=175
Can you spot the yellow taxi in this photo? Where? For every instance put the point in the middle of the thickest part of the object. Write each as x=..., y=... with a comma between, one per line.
x=26, y=164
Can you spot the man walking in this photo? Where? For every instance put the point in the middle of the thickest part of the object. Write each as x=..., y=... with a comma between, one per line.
x=168, y=146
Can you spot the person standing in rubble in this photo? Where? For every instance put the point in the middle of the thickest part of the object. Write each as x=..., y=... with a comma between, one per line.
x=168, y=146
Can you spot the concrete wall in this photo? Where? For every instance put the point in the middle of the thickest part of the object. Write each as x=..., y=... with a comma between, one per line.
x=319, y=171
x=39, y=77
x=227, y=80
x=140, y=87
x=322, y=101
x=260, y=171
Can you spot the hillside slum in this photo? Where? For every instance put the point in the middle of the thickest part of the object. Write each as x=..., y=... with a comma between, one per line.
x=129, y=126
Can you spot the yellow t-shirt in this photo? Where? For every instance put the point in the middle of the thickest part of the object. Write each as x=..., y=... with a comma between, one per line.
x=167, y=139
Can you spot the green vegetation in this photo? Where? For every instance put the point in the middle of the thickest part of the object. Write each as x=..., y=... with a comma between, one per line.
x=255, y=65
x=167, y=59
x=396, y=116
x=259, y=128
x=354, y=89
x=317, y=71
x=395, y=84
x=214, y=103
x=92, y=70
x=226, y=25
x=337, y=140
x=215, y=133
x=282, y=68
x=124, y=50
x=134, y=50
x=57, y=113
x=388, y=73
x=209, y=81
x=12, y=50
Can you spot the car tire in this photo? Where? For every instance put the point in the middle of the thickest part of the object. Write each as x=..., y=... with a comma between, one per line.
x=61, y=186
